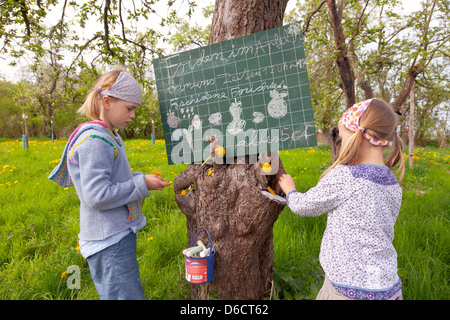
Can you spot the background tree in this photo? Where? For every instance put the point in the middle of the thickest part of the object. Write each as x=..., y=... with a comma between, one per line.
x=28, y=33
x=385, y=49
x=9, y=114
x=377, y=52
x=326, y=94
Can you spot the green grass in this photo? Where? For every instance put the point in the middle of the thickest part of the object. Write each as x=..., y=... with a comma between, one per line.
x=39, y=227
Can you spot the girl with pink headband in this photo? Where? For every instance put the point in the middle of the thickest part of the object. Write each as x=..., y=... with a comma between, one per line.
x=362, y=198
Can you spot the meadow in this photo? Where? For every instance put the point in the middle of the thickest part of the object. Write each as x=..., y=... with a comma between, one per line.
x=39, y=224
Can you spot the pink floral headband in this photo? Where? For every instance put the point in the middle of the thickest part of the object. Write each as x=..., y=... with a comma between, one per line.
x=350, y=120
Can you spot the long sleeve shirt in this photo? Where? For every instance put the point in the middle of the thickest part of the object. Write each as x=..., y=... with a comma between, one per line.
x=357, y=254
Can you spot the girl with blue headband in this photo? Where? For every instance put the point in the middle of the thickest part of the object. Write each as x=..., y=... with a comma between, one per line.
x=94, y=161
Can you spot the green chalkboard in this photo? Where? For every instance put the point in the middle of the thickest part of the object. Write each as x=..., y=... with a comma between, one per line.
x=251, y=92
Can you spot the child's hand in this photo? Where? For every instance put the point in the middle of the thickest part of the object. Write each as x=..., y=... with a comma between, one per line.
x=286, y=183
x=155, y=182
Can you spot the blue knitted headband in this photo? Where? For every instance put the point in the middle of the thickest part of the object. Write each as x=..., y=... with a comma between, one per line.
x=125, y=88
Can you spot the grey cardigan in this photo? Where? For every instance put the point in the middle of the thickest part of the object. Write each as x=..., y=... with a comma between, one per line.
x=110, y=193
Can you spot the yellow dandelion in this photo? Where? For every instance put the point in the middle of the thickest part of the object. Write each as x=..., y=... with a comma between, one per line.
x=150, y=239
x=183, y=192
x=66, y=188
x=63, y=275
x=220, y=151
x=156, y=172
x=266, y=168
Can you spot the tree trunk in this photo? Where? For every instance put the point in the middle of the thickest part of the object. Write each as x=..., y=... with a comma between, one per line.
x=237, y=18
x=343, y=63
x=360, y=81
x=411, y=128
x=335, y=143
x=230, y=202
x=406, y=89
x=342, y=60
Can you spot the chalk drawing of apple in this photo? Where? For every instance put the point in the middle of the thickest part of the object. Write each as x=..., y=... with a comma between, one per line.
x=277, y=107
x=172, y=120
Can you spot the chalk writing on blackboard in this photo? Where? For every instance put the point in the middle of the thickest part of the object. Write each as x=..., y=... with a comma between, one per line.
x=251, y=92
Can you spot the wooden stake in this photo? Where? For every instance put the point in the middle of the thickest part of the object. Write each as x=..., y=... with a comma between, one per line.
x=411, y=127
x=25, y=131
x=153, y=132
x=53, y=136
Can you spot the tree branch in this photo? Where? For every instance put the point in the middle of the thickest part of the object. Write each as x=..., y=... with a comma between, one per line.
x=361, y=82
x=96, y=36
x=24, y=12
x=60, y=21
x=124, y=36
x=424, y=38
x=415, y=69
x=310, y=15
x=105, y=25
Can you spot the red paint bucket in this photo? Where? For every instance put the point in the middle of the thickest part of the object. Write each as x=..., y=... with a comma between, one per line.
x=200, y=270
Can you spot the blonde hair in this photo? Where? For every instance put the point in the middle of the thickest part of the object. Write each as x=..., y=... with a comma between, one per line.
x=379, y=121
x=93, y=103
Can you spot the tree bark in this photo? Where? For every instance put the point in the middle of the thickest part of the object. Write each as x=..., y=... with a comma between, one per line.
x=230, y=202
x=237, y=18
